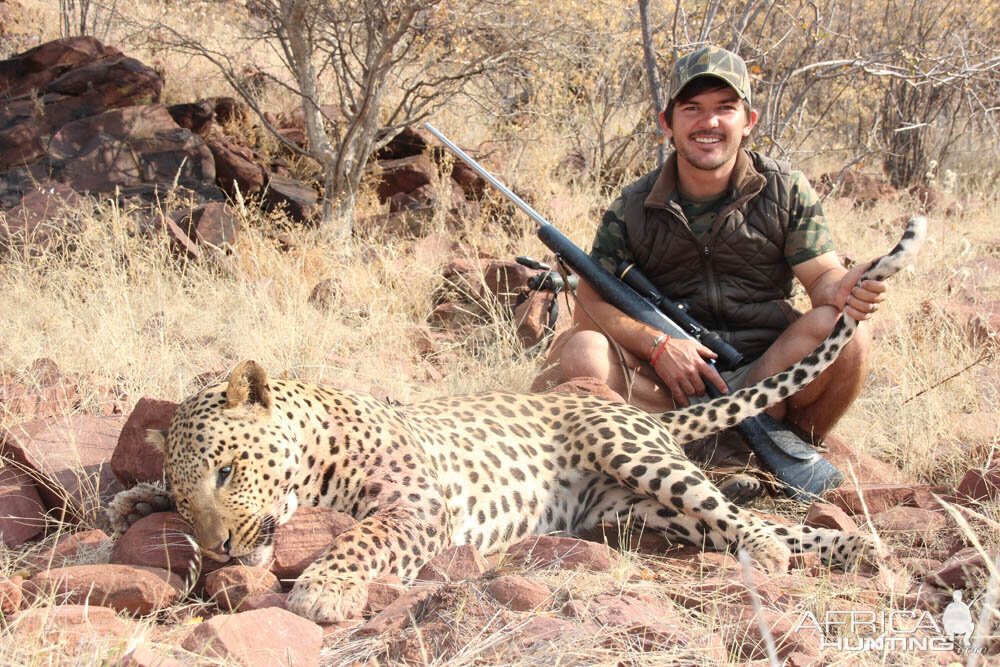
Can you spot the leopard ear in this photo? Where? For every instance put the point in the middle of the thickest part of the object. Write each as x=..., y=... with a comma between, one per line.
x=157, y=439
x=248, y=387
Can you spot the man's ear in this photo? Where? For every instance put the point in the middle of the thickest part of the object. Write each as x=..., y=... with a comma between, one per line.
x=157, y=439
x=664, y=125
x=751, y=121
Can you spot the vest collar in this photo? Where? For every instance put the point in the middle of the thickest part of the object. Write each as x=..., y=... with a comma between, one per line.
x=745, y=180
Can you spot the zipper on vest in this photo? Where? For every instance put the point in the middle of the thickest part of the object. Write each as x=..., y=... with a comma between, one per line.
x=711, y=284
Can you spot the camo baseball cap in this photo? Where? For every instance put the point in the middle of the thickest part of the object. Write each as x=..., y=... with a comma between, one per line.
x=711, y=61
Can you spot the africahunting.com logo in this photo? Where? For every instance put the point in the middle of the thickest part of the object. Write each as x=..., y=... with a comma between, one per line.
x=896, y=630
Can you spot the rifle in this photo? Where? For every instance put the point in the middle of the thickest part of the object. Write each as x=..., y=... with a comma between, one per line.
x=805, y=474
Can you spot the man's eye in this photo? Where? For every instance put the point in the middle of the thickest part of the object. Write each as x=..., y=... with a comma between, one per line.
x=224, y=473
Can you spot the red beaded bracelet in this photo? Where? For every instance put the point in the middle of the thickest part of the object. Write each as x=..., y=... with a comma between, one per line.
x=663, y=346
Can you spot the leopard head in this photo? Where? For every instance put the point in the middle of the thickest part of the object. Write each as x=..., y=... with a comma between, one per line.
x=230, y=460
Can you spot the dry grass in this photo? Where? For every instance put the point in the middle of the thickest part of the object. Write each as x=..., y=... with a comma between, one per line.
x=119, y=309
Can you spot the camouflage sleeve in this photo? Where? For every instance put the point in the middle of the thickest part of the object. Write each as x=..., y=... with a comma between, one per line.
x=808, y=234
x=610, y=246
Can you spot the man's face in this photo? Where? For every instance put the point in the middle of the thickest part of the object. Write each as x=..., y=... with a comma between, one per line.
x=708, y=128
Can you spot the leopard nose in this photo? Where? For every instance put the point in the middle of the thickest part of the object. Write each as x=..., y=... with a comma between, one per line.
x=223, y=547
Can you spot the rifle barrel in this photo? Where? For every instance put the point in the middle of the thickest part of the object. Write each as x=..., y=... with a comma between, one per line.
x=520, y=203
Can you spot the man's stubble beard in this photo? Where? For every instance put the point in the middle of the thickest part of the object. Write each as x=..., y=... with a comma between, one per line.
x=698, y=161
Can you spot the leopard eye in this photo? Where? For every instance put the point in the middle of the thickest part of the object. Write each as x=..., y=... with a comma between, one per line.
x=224, y=473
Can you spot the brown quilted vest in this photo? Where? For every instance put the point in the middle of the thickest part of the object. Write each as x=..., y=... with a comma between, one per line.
x=738, y=284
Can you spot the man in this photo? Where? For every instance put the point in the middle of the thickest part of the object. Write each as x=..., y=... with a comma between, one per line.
x=725, y=231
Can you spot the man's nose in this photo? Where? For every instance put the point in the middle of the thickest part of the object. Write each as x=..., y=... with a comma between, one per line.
x=709, y=119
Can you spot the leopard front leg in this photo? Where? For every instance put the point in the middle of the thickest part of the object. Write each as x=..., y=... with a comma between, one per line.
x=130, y=505
x=402, y=527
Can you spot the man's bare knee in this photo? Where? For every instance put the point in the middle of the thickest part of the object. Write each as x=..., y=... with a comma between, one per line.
x=585, y=354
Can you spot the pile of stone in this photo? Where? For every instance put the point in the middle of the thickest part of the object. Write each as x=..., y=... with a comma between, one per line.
x=81, y=118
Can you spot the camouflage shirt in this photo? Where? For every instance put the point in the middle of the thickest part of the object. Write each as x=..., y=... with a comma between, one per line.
x=808, y=234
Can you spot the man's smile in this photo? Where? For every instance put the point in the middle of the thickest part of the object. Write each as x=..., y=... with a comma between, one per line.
x=708, y=139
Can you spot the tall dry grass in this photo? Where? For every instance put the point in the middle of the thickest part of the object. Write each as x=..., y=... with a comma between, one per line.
x=120, y=309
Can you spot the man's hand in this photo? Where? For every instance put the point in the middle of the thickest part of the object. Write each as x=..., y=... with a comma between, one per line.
x=682, y=365
x=861, y=301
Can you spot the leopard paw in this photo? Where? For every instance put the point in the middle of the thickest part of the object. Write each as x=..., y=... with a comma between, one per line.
x=328, y=597
x=769, y=552
x=856, y=550
x=130, y=505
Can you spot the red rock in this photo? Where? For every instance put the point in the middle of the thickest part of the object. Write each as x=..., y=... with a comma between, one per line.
x=410, y=141
x=877, y=497
x=35, y=68
x=981, y=485
x=231, y=586
x=533, y=317
x=69, y=459
x=28, y=403
x=194, y=116
x=924, y=523
x=549, y=629
x=655, y=627
x=588, y=387
x=404, y=175
x=299, y=201
x=264, y=601
x=23, y=515
x=306, y=536
x=130, y=147
x=505, y=279
x=158, y=540
x=70, y=549
x=134, y=459
x=966, y=569
x=146, y=656
x=191, y=229
x=229, y=109
x=399, y=613
x=646, y=542
x=473, y=185
x=109, y=83
x=869, y=470
x=383, y=592
x=519, y=593
x=236, y=166
x=453, y=564
x=808, y=561
x=132, y=589
x=746, y=639
x=825, y=515
x=71, y=623
x=454, y=317
x=11, y=595
x=927, y=199
x=263, y=637
x=563, y=552
x=42, y=218
x=21, y=142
